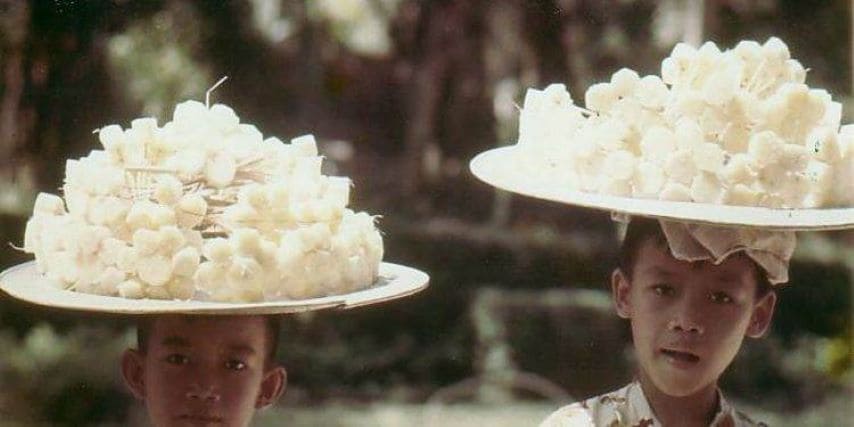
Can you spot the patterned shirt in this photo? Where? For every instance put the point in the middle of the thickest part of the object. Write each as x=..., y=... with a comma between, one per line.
x=628, y=407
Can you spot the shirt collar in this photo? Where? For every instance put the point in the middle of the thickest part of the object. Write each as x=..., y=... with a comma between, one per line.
x=640, y=406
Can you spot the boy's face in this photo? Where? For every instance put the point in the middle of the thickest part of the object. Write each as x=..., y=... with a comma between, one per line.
x=204, y=371
x=688, y=319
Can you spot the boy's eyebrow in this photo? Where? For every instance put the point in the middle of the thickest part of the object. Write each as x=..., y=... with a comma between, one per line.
x=659, y=271
x=241, y=348
x=175, y=341
x=726, y=277
x=656, y=270
x=729, y=278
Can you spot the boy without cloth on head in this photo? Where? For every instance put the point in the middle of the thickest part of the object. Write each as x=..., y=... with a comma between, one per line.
x=691, y=293
x=204, y=370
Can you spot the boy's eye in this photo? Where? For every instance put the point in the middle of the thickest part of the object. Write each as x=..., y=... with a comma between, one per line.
x=662, y=289
x=720, y=298
x=235, y=365
x=177, y=359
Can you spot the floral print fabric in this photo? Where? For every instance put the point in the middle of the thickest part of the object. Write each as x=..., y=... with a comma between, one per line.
x=628, y=407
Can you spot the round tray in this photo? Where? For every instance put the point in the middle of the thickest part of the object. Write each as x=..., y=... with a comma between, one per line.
x=493, y=168
x=24, y=282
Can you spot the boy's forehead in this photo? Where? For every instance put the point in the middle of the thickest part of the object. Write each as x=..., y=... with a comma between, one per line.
x=243, y=328
x=655, y=257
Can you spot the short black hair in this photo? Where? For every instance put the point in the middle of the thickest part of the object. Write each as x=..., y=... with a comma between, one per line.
x=145, y=324
x=641, y=229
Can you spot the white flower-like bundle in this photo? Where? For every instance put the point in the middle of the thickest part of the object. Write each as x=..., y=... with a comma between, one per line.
x=203, y=208
x=737, y=127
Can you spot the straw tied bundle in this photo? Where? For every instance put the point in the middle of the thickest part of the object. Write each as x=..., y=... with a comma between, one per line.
x=203, y=208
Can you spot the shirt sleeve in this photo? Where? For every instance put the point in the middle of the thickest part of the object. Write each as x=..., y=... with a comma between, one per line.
x=574, y=415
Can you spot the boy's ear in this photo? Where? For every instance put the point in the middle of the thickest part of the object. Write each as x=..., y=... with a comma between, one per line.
x=273, y=385
x=133, y=372
x=620, y=287
x=763, y=312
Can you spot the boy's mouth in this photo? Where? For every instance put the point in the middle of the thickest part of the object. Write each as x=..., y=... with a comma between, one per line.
x=680, y=356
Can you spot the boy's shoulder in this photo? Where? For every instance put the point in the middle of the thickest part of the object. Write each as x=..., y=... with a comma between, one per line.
x=623, y=407
x=628, y=407
x=729, y=416
x=740, y=419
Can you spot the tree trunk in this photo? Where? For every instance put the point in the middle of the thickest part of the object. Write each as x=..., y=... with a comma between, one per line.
x=15, y=25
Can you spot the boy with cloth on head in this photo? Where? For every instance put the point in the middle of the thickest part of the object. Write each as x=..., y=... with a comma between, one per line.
x=729, y=152
x=692, y=293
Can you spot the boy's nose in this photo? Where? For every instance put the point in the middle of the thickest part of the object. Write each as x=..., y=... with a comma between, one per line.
x=687, y=316
x=207, y=394
x=686, y=320
x=685, y=324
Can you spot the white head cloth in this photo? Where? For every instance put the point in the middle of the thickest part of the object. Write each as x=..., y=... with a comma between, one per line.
x=770, y=249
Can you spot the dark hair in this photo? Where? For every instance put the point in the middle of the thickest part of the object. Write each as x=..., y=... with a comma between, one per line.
x=145, y=325
x=640, y=230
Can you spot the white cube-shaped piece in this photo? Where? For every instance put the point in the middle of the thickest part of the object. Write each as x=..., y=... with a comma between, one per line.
x=304, y=146
x=657, y=144
x=675, y=192
x=223, y=118
x=220, y=170
x=48, y=204
x=706, y=188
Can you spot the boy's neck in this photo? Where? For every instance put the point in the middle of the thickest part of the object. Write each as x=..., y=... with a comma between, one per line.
x=698, y=409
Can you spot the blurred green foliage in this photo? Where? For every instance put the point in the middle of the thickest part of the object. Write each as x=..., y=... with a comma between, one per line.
x=49, y=377
x=154, y=61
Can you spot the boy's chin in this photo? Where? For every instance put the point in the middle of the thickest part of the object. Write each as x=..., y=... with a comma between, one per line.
x=680, y=390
